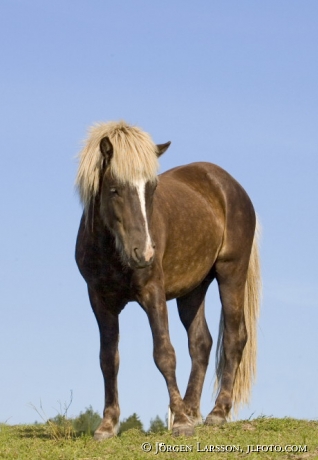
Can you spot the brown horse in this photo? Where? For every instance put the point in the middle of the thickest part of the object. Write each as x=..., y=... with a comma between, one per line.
x=150, y=238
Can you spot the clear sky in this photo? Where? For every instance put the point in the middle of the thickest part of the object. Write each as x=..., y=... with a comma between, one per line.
x=231, y=82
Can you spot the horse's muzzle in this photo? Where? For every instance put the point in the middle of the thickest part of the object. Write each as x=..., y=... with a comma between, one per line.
x=143, y=259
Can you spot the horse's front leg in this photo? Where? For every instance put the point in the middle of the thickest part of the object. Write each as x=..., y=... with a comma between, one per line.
x=153, y=301
x=107, y=320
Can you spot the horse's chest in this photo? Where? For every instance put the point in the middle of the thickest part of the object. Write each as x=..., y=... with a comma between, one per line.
x=100, y=265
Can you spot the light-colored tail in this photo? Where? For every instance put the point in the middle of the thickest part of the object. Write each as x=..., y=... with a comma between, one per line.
x=246, y=372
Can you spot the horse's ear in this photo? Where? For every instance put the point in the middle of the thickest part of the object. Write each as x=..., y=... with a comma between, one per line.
x=107, y=149
x=161, y=148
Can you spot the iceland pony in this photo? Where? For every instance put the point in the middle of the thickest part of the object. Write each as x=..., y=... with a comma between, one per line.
x=150, y=238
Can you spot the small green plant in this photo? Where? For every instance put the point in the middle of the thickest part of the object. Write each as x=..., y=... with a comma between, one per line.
x=4, y=431
x=86, y=422
x=130, y=422
x=59, y=427
x=157, y=425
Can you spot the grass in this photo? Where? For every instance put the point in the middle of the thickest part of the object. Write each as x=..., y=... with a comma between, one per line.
x=38, y=442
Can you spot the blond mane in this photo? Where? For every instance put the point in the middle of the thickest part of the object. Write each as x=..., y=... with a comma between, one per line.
x=134, y=157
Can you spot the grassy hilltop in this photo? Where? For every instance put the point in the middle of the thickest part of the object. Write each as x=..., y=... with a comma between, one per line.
x=260, y=438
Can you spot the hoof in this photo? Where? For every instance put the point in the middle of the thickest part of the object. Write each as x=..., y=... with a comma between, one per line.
x=105, y=431
x=183, y=430
x=102, y=435
x=197, y=420
x=213, y=419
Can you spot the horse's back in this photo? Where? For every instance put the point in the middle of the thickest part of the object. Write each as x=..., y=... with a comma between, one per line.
x=208, y=179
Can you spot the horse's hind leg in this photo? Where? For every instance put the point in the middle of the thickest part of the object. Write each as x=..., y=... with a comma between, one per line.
x=231, y=278
x=191, y=312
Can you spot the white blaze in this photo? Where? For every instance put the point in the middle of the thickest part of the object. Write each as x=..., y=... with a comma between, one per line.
x=140, y=186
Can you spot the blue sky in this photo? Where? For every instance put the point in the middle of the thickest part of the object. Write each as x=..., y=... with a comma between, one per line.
x=234, y=83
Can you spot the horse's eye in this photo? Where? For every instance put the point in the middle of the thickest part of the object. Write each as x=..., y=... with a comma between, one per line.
x=113, y=191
